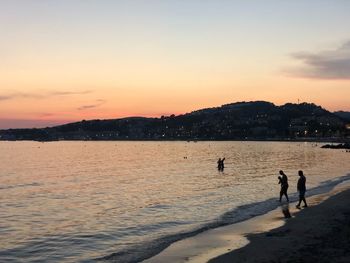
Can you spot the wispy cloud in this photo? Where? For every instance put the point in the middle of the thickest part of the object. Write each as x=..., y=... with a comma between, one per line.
x=65, y=93
x=98, y=103
x=43, y=95
x=330, y=64
x=46, y=114
x=5, y=98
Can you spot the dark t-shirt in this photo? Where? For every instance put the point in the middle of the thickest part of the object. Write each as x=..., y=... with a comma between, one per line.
x=301, y=183
x=284, y=181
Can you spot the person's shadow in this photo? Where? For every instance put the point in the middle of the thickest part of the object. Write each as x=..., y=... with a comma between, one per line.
x=285, y=210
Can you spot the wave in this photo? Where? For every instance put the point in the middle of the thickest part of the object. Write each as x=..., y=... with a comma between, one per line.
x=149, y=249
x=5, y=187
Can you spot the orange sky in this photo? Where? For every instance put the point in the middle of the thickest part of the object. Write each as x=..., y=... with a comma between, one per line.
x=70, y=61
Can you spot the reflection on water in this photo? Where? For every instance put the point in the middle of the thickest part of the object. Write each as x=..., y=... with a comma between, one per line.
x=72, y=201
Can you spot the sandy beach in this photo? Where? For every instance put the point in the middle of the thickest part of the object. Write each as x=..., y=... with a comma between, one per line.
x=319, y=233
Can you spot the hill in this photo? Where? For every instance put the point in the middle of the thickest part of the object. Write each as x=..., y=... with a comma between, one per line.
x=257, y=120
x=343, y=114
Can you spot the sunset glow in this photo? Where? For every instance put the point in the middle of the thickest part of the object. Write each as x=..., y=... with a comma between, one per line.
x=64, y=61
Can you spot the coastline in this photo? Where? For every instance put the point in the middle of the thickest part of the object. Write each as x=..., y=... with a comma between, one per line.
x=271, y=237
x=287, y=139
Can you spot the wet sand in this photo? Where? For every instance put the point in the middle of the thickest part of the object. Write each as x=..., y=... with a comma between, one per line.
x=319, y=233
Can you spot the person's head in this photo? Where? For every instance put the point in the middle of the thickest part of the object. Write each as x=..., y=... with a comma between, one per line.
x=300, y=173
x=281, y=172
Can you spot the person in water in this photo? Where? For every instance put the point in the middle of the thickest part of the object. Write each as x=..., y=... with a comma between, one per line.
x=221, y=164
x=301, y=189
x=283, y=181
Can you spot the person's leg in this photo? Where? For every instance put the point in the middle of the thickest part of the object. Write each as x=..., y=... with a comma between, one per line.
x=305, y=204
x=298, y=205
x=302, y=198
x=281, y=193
x=286, y=196
x=285, y=193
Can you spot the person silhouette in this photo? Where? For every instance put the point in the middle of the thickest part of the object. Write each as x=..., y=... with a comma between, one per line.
x=221, y=164
x=283, y=180
x=301, y=187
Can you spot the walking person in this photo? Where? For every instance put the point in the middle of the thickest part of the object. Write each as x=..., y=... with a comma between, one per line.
x=302, y=189
x=283, y=180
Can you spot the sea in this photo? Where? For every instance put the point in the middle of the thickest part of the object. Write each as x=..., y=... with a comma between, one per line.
x=125, y=201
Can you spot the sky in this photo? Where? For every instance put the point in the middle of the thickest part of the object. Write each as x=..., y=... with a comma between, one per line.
x=68, y=60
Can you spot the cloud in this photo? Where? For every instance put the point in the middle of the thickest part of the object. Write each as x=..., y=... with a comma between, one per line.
x=46, y=114
x=91, y=106
x=5, y=98
x=330, y=64
x=45, y=95
x=64, y=93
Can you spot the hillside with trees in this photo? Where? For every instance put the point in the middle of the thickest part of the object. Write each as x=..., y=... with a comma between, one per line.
x=258, y=120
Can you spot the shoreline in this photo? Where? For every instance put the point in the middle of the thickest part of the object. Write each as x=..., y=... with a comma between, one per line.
x=320, y=233
x=308, y=140
x=237, y=242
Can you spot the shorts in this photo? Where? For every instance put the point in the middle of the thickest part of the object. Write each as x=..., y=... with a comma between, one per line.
x=302, y=193
x=284, y=189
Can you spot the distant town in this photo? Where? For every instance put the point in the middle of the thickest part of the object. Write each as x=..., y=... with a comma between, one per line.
x=258, y=120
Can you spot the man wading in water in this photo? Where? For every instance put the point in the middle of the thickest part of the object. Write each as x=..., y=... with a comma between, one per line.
x=221, y=165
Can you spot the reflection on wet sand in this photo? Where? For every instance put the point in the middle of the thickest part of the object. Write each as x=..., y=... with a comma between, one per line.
x=285, y=210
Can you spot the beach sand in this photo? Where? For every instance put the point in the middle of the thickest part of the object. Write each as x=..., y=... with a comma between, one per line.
x=319, y=233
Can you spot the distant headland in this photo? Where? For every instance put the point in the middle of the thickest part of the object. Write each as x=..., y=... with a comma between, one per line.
x=255, y=120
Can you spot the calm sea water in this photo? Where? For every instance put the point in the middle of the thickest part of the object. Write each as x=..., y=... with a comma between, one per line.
x=124, y=201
